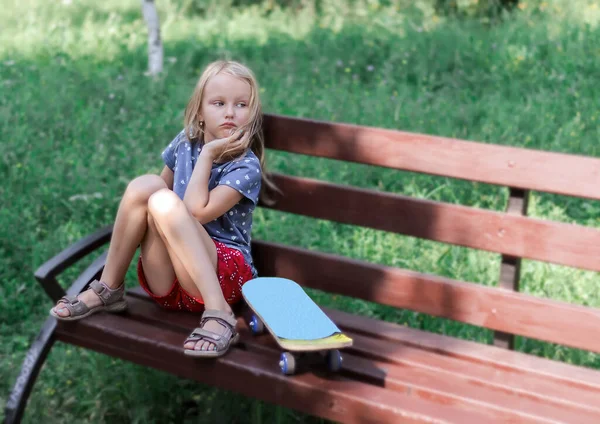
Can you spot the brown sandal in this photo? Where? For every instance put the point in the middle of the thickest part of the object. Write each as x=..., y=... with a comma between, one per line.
x=222, y=342
x=112, y=301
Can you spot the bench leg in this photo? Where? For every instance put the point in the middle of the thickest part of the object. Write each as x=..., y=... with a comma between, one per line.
x=29, y=371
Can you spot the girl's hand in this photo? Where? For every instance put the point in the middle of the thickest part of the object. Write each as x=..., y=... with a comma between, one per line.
x=214, y=149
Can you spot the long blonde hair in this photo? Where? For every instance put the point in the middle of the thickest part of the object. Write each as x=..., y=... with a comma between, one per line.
x=256, y=141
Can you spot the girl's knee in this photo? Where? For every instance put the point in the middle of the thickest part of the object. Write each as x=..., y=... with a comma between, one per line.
x=141, y=188
x=163, y=203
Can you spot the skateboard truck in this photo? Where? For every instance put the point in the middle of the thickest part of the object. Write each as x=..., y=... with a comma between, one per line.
x=288, y=362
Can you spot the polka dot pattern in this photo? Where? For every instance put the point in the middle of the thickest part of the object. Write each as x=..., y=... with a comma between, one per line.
x=232, y=271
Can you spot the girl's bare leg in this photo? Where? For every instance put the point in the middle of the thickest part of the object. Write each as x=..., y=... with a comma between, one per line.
x=129, y=230
x=193, y=255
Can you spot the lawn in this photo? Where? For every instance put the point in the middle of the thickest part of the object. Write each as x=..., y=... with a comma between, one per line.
x=79, y=119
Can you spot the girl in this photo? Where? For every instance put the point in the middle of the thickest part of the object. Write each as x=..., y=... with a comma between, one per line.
x=193, y=222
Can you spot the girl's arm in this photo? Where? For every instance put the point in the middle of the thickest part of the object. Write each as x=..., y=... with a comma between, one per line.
x=207, y=205
x=167, y=175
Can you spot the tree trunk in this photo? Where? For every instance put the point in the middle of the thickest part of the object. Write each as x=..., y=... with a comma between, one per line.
x=155, y=48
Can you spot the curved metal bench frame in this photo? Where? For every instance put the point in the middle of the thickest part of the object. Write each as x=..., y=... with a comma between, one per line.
x=46, y=275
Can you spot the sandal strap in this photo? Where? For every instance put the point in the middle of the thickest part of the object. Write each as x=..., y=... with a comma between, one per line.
x=107, y=295
x=225, y=319
x=219, y=340
x=74, y=305
x=68, y=299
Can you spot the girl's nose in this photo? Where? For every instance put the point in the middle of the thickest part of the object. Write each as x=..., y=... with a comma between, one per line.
x=229, y=112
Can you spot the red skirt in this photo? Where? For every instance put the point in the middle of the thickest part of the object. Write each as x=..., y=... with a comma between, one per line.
x=232, y=271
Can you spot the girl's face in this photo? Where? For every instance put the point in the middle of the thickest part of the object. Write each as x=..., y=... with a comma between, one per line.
x=225, y=106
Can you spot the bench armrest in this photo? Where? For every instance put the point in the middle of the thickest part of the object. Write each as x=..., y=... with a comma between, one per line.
x=46, y=274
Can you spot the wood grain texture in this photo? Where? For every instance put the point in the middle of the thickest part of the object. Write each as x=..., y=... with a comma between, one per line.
x=493, y=308
x=387, y=343
x=519, y=236
x=386, y=384
x=487, y=163
x=257, y=375
x=501, y=361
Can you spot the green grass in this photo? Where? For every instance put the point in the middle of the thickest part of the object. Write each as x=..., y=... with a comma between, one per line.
x=79, y=119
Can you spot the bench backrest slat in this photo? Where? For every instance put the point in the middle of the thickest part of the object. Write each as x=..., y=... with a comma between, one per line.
x=509, y=234
x=487, y=163
x=493, y=308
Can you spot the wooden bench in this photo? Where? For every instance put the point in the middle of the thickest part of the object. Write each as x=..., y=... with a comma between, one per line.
x=393, y=373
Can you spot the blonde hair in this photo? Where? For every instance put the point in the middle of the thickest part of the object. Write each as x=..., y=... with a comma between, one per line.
x=256, y=141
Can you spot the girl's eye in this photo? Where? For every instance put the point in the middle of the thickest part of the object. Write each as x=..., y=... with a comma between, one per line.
x=241, y=104
x=217, y=103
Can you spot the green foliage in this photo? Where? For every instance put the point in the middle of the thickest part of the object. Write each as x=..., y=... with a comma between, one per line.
x=467, y=8
x=79, y=119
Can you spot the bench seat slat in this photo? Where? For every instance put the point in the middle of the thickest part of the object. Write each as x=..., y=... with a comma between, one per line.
x=527, y=169
x=490, y=307
x=513, y=235
x=475, y=354
x=459, y=388
x=371, y=343
x=461, y=392
x=393, y=343
x=256, y=375
x=484, y=376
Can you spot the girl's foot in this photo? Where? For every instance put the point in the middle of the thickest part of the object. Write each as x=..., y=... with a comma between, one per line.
x=98, y=297
x=214, y=336
x=88, y=297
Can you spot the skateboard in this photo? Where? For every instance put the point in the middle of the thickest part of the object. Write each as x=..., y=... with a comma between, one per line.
x=295, y=321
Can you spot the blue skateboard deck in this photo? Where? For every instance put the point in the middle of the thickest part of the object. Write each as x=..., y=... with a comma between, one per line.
x=294, y=320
